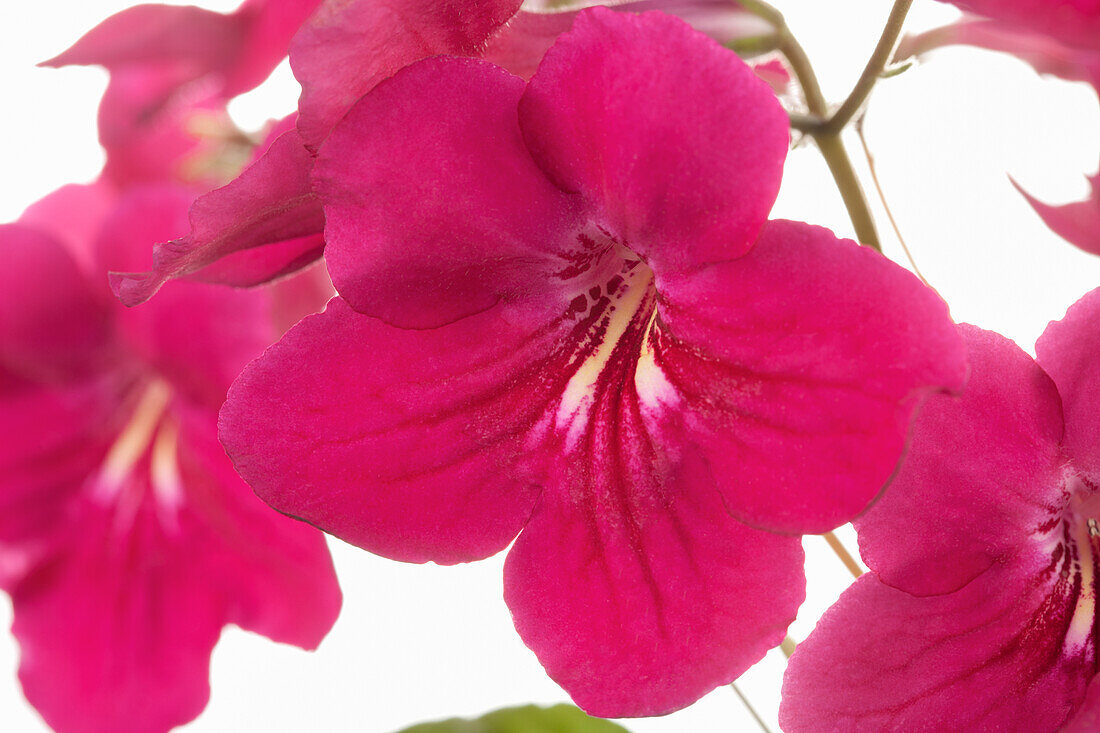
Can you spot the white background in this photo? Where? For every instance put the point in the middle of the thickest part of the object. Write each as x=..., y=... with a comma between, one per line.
x=421, y=642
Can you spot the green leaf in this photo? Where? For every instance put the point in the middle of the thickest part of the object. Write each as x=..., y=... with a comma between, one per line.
x=526, y=719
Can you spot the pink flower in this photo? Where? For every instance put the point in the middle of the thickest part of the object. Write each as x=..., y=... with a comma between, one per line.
x=1060, y=37
x=339, y=55
x=981, y=612
x=172, y=71
x=126, y=539
x=563, y=312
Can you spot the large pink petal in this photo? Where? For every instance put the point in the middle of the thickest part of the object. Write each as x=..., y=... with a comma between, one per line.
x=1069, y=351
x=405, y=443
x=802, y=364
x=1077, y=222
x=53, y=323
x=637, y=591
x=671, y=138
x=198, y=336
x=1011, y=651
x=346, y=48
x=983, y=473
x=520, y=45
x=271, y=203
x=434, y=209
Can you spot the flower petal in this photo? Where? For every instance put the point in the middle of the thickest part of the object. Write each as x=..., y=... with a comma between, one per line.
x=993, y=656
x=405, y=443
x=347, y=47
x=672, y=139
x=278, y=571
x=271, y=203
x=198, y=336
x=1078, y=223
x=53, y=324
x=1069, y=351
x=117, y=622
x=802, y=364
x=638, y=596
x=983, y=473
x=434, y=209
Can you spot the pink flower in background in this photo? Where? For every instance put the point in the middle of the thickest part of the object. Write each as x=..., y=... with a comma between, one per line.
x=564, y=315
x=339, y=55
x=981, y=612
x=173, y=69
x=126, y=539
x=1057, y=37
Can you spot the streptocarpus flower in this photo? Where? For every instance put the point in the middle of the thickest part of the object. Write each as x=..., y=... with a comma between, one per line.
x=563, y=312
x=1061, y=38
x=981, y=610
x=126, y=539
x=345, y=49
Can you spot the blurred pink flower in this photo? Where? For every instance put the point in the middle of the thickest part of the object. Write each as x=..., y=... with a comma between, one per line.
x=981, y=610
x=127, y=541
x=339, y=55
x=564, y=315
x=173, y=69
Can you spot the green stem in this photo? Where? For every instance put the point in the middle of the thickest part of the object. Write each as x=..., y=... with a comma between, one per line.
x=828, y=142
x=874, y=69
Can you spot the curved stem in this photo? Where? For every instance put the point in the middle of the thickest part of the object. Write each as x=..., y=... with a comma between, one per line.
x=829, y=143
x=752, y=711
x=876, y=65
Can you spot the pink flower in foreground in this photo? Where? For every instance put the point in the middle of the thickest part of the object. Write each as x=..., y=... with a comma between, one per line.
x=563, y=312
x=1058, y=37
x=126, y=539
x=172, y=71
x=340, y=54
x=981, y=612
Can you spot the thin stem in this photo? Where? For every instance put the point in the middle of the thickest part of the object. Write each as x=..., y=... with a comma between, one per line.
x=752, y=711
x=842, y=552
x=885, y=205
x=876, y=65
x=830, y=144
x=787, y=646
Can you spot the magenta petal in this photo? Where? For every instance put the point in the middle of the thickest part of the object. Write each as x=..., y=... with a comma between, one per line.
x=271, y=203
x=276, y=571
x=639, y=603
x=405, y=443
x=417, y=248
x=672, y=139
x=53, y=324
x=117, y=622
x=983, y=473
x=198, y=336
x=1069, y=351
x=117, y=628
x=1004, y=653
x=347, y=47
x=803, y=362
x=1078, y=223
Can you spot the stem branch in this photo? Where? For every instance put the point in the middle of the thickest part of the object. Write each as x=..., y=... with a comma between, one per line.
x=828, y=141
